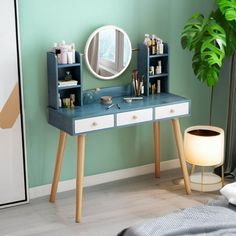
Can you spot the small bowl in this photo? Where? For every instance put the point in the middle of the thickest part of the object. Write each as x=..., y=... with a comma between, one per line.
x=107, y=100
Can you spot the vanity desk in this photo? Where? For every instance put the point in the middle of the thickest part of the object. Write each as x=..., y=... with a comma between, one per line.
x=83, y=115
x=94, y=117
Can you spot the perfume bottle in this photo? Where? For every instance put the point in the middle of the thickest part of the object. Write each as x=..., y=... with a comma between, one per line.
x=158, y=68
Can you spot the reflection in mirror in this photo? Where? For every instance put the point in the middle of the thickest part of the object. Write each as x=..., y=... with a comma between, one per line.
x=108, y=52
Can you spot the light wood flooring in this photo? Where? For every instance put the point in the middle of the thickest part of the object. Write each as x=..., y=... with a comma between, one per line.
x=107, y=208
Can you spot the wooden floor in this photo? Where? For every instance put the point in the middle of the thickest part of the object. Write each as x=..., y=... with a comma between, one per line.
x=107, y=208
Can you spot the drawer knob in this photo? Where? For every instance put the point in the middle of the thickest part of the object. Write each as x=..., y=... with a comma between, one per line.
x=172, y=110
x=94, y=124
x=134, y=117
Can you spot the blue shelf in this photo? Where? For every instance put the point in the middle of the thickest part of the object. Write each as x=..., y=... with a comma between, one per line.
x=145, y=61
x=69, y=87
x=68, y=65
x=57, y=72
x=159, y=75
x=158, y=55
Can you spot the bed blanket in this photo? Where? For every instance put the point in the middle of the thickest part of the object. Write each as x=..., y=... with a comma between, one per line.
x=212, y=220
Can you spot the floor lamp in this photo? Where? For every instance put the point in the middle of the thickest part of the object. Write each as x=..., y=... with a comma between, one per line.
x=204, y=147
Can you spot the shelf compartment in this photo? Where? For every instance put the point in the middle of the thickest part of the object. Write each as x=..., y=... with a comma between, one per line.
x=68, y=65
x=159, y=55
x=69, y=87
x=158, y=75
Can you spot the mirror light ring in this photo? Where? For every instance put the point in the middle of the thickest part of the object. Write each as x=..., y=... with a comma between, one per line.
x=87, y=49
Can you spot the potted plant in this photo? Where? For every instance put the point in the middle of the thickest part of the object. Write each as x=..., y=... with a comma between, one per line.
x=211, y=39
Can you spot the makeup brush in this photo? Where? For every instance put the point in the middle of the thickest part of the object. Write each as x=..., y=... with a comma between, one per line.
x=136, y=82
x=133, y=81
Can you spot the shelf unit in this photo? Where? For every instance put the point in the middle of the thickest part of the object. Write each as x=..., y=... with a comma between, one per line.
x=57, y=72
x=145, y=61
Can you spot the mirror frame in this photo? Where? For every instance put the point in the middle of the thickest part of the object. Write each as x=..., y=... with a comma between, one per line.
x=87, y=48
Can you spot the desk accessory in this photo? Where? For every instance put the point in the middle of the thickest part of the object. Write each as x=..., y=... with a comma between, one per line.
x=106, y=100
x=137, y=83
x=130, y=99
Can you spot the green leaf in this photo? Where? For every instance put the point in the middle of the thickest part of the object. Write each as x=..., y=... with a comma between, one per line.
x=214, y=42
x=211, y=39
x=230, y=30
x=208, y=44
x=192, y=31
x=228, y=9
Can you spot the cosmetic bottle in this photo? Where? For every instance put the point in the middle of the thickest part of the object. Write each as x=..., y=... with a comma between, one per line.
x=147, y=40
x=151, y=70
x=161, y=47
x=73, y=52
x=70, y=57
x=57, y=52
x=158, y=86
x=158, y=68
x=154, y=45
x=64, y=51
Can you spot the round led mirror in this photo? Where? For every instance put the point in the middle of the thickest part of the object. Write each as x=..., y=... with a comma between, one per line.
x=108, y=52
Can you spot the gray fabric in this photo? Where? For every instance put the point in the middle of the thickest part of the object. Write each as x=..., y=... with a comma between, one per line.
x=217, y=218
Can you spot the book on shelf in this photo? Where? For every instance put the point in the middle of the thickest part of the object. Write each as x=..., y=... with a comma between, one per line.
x=64, y=83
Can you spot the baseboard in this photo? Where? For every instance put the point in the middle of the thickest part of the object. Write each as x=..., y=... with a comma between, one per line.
x=67, y=185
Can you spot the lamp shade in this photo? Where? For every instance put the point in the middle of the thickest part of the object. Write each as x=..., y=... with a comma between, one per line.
x=204, y=145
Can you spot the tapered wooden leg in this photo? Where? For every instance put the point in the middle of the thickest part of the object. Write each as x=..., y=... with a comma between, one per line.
x=156, y=131
x=180, y=147
x=57, y=170
x=80, y=176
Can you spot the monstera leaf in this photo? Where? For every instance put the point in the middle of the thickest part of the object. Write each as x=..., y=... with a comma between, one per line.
x=226, y=16
x=213, y=43
x=228, y=9
x=207, y=39
x=211, y=39
x=230, y=29
x=193, y=31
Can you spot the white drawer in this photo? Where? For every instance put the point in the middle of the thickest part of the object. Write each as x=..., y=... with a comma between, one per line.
x=94, y=123
x=172, y=110
x=133, y=117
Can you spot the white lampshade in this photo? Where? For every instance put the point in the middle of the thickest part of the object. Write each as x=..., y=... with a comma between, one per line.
x=204, y=145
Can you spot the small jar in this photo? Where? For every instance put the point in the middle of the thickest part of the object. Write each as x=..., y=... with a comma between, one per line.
x=151, y=70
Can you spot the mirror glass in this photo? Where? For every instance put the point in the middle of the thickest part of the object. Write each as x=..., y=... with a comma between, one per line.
x=108, y=52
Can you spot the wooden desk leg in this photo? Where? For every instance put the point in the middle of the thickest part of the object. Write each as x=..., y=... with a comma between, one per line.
x=156, y=129
x=80, y=176
x=57, y=170
x=180, y=147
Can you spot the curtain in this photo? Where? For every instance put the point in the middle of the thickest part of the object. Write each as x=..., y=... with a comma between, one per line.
x=224, y=113
x=93, y=56
x=230, y=149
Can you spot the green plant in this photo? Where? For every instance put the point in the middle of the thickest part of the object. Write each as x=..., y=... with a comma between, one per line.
x=211, y=39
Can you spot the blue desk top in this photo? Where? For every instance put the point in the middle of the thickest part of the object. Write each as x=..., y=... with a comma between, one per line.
x=63, y=118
